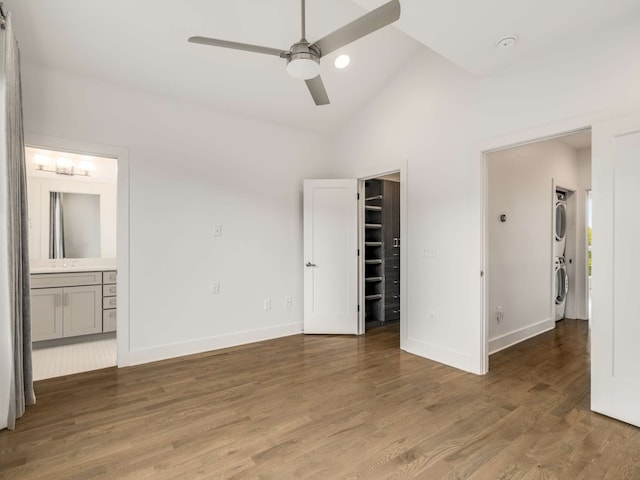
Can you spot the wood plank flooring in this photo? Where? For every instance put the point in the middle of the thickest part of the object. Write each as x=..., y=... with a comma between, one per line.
x=327, y=407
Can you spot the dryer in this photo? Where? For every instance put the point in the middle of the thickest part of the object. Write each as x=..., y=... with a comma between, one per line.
x=560, y=229
x=561, y=287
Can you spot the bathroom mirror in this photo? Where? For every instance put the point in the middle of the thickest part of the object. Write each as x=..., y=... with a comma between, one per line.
x=74, y=225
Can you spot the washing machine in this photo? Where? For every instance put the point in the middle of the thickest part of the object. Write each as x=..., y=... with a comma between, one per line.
x=560, y=233
x=562, y=287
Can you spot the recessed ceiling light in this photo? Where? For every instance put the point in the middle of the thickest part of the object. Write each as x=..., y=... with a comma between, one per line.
x=507, y=42
x=342, y=61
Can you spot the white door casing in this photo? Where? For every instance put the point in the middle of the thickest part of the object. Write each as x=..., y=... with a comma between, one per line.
x=330, y=256
x=615, y=326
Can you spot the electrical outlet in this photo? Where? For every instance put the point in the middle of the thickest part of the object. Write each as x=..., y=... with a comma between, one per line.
x=217, y=231
x=428, y=252
x=267, y=304
x=288, y=301
x=215, y=288
x=500, y=313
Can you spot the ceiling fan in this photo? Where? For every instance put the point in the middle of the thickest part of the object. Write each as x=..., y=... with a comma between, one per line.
x=303, y=58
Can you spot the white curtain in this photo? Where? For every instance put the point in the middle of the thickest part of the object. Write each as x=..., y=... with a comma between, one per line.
x=15, y=313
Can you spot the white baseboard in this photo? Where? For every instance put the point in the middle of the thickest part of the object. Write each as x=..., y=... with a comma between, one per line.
x=440, y=354
x=163, y=352
x=517, y=336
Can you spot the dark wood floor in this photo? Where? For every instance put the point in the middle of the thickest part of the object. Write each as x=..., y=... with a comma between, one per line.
x=326, y=407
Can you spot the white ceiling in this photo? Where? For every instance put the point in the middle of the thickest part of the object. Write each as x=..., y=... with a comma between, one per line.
x=467, y=31
x=143, y=44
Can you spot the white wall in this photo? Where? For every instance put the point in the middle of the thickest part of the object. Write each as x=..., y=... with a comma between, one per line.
x=437, y=117
x=191, y=168
x=424, y=117
x=520, y=251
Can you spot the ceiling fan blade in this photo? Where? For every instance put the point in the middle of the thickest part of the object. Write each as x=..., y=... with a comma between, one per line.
x=372, y=21
x=238, y=46
x=318, y=92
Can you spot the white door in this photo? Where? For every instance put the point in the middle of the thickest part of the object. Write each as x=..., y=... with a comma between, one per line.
x=331, y=256
x=615, y=326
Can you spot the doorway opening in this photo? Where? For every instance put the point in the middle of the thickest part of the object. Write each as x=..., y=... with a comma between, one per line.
x=380, y=247
x=536, y=237
x=72, y=205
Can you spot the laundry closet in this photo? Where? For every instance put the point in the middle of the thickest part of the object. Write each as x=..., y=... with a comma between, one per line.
x=381, y=233
x=537, y=244
x=564, y=222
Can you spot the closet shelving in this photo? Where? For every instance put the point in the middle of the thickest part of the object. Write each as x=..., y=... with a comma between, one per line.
x=374, y=252
x=382, y=251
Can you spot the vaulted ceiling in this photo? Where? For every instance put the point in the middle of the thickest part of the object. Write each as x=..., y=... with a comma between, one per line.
x=143, y=44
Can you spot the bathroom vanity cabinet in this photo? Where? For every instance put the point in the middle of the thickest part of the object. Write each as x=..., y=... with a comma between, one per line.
x=72, y=303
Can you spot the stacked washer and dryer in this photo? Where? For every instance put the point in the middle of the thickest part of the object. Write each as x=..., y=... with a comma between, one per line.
x=560, y=265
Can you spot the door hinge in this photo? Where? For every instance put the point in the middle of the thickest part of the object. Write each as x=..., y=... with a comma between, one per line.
x=358, y=308
x=357, y=196
x=358, y=252
x=482, y=273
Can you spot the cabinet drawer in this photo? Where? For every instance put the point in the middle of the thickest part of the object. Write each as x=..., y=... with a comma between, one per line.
x=109, y=320
x=109, y=302
x=392, y=312
x=109, y=290
x=109, y=277
x=50, y=280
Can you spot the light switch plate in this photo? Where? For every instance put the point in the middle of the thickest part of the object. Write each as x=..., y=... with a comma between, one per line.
x=217, y=232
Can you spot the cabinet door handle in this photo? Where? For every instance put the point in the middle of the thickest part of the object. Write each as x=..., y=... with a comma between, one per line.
x=309, y=264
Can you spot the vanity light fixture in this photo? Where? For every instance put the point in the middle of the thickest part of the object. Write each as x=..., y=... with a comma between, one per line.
x=41, y=161
x=63, y=166
x=86, y=167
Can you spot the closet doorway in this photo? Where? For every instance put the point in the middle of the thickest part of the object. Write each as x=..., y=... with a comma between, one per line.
x=380, y=247
x=347, y=226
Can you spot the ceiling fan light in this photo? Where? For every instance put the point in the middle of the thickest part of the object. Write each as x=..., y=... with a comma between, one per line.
x=303, y=68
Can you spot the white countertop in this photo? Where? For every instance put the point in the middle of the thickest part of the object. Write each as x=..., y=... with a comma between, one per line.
x=77, y=268
x=79, y=265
